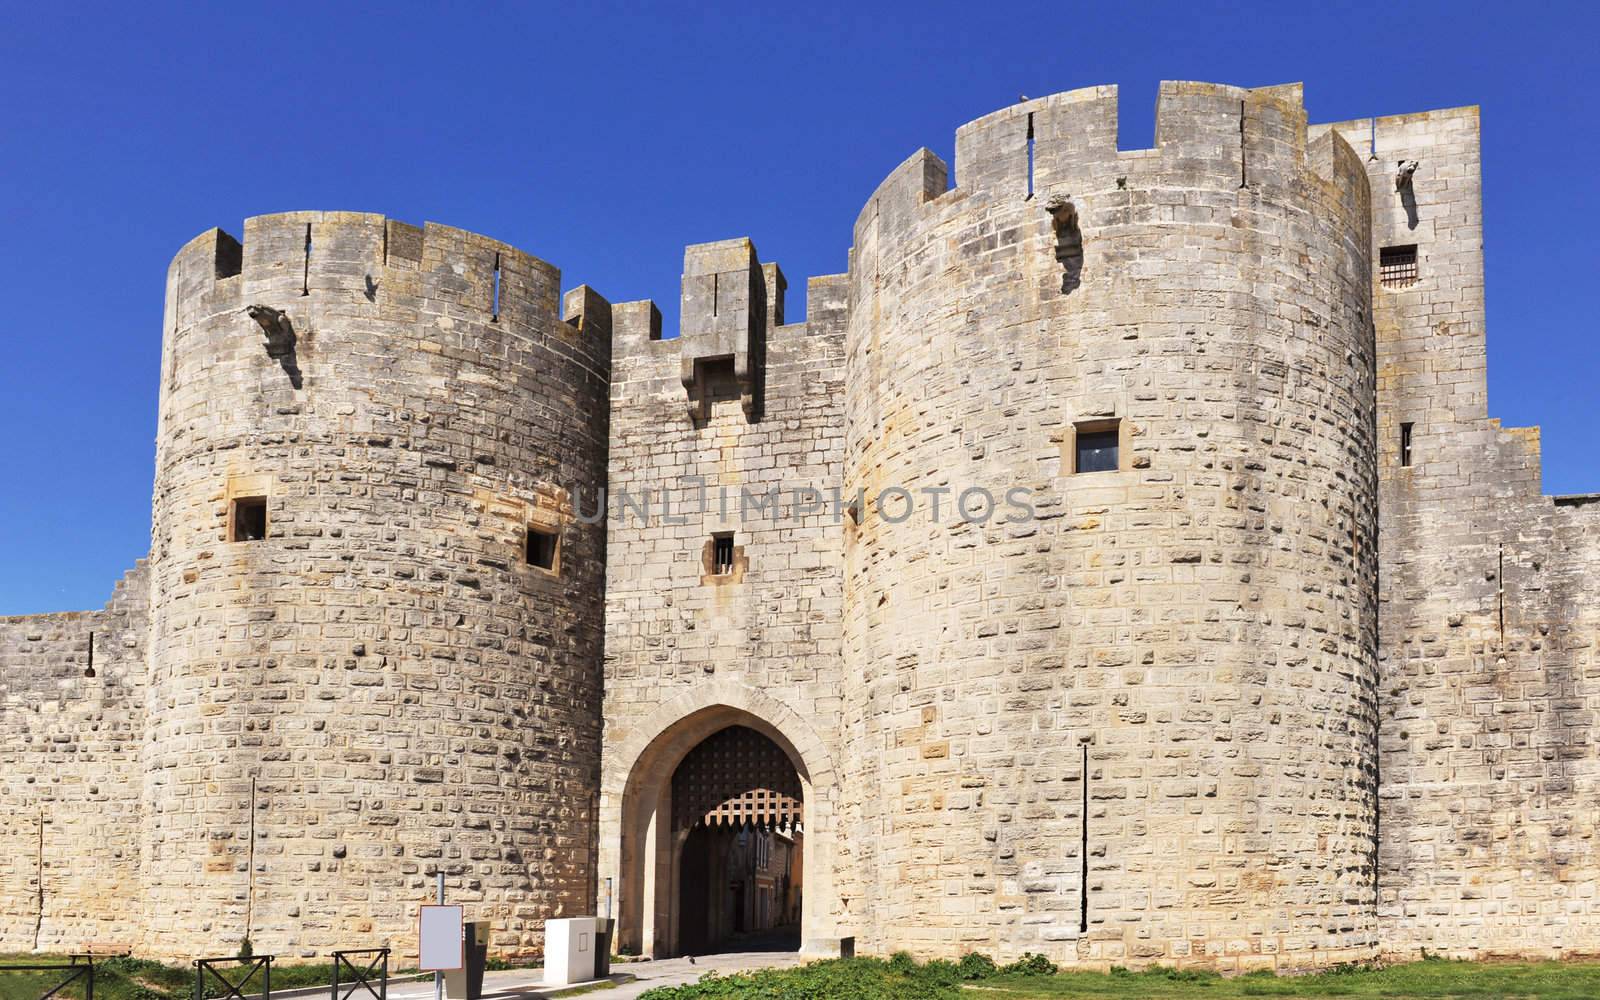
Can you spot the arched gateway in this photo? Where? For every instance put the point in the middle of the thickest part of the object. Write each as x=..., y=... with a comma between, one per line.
x=716, y=819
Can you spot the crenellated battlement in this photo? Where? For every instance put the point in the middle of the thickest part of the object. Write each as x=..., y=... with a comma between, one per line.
x=362, y=259
x=1208, y=136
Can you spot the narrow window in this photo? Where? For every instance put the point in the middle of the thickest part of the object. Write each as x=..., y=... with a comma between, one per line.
x=305, y=269
x=1500, y=581
x=1096, y=447
x=247, y=521
x=1030, y=156
x=1244, y=177
x=722, y=554
x=1397, y=266
x=1405, y=444
x=495, y=309
x=542, y=549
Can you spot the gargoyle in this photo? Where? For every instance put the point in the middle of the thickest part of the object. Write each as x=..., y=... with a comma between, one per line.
x=1069, y=239
x=1403, y=172
x=275, y=324
x=280, y=339
x=1064, y=218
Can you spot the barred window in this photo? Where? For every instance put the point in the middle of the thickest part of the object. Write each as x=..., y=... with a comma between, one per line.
x=722, y=554
x=1397, y=266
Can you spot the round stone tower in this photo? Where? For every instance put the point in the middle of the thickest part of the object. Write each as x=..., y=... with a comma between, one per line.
x=1126, y=714
x=377, y=617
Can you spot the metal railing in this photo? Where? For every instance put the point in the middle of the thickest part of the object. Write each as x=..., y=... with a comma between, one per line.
x=233, y=990
x=81, y=968
x=374, y=965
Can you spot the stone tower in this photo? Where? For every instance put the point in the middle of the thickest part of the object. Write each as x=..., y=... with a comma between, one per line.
x=1030, y=594
x=1194, y=621
x=375, y=620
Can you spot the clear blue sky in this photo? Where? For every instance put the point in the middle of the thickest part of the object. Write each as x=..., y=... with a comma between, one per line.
x=604, y=140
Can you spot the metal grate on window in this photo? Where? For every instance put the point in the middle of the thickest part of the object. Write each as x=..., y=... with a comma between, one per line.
x=1397, y=266
x=722, y=554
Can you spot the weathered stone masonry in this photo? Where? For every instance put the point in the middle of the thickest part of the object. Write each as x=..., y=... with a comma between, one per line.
x=1197, y=619
x=1490, y=610
x=1324, y=694
x=70, y=772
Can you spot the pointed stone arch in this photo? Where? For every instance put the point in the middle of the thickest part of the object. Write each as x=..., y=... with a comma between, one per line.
x=638, y=857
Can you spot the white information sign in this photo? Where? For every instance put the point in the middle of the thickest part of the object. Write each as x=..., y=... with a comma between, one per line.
x=442, y=944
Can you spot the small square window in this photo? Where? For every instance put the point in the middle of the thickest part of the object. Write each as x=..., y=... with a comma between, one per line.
x=1096, y=447
x=1397, y=266
x=247, y=520
x=722, y=554
x=542, y=549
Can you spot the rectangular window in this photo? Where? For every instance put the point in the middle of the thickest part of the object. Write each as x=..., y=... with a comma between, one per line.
x=247, y=521
x=1096, y=447
x=542, y=549
x=1397, y=266
x=722, y=554
x=1405, y=444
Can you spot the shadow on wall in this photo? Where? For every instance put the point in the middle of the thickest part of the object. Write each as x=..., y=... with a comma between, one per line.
x=1409, y=200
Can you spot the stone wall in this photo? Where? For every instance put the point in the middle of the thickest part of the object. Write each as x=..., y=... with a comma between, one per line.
x=383, y=686
x=769, y=631
x=70, y=775
x=1200, y=620
x=1490, y=770
x=1262, y=695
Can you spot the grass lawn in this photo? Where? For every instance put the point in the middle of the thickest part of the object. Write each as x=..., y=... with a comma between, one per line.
x=901, y=979
x=1432, y=979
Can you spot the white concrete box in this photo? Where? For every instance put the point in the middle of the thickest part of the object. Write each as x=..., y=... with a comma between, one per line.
x=569, y=950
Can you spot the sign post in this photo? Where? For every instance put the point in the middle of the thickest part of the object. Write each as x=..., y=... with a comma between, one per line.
x=438, y=975
x=440, y=940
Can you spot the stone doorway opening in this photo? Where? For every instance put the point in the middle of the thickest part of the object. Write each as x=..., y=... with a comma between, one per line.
x=737, y=821
x=715, y=823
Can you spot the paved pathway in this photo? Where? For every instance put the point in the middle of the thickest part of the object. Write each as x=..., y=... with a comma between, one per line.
x=525, y=984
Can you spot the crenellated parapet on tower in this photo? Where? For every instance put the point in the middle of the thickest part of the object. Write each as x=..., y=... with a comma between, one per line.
x=1137, y=723
x=376, y=619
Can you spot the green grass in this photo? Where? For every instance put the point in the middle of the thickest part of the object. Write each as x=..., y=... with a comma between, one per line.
x=975, y=979
x=1436, y=980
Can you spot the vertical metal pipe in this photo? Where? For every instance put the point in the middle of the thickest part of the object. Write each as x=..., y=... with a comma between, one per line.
x=1083, y=852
